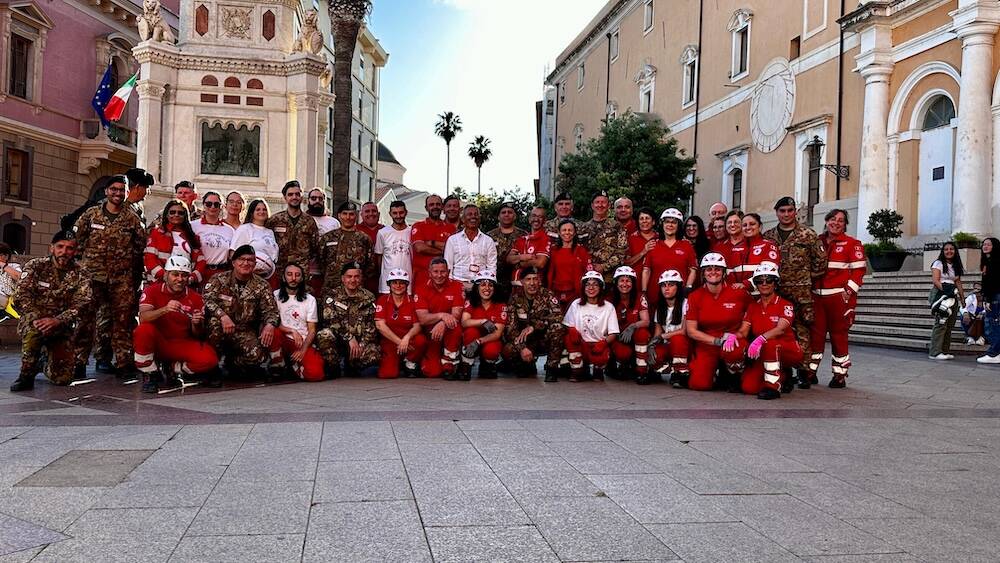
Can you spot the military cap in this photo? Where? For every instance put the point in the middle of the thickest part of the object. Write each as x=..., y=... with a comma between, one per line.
x=527, y=271
x=243, y=250
x=563, y=196
x=347, y=206
x=350, y=266
x=601, y=193
x=508, y=205
x=787, y=200
x=139, y=177
x=117, y=179
x=65, y=234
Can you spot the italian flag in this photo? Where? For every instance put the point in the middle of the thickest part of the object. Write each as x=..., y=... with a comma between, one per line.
x=116, y=105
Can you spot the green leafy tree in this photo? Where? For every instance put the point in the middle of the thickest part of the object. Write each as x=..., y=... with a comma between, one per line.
x=635, y=157
x=489, y=206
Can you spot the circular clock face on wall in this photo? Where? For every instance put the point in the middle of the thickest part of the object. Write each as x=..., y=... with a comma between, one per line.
x=772, y=105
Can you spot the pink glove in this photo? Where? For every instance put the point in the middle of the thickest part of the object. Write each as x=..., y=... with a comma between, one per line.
x=729, y=341
x=753, y=352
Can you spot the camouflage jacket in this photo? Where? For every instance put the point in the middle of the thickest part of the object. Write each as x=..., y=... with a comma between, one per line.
x=348, y=316
x=111, y=246
x=803, y=258
x=249, y=305
x=339, y=247
x=297, y=241
x=47, y=291
x=607, y=243
x=505, y=242
x=542, y=312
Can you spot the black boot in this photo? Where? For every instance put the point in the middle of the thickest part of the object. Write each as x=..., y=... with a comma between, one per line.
x=768, y=394
x=212, y=378
x=464, y=372
x=332, y=372
x=408, y=372
x=805, y=382
x=787, y=381
x=23, y=383
x=598, y=374
x=614, y=371
x=837, y=382
x=526, y=369
x=104, y=366
x=487, y=370
x=151, y=382
x=551, y=374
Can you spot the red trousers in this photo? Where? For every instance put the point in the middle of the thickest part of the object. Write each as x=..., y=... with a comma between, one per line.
x=388, y=368
x=151, y=345
x=705, y=361
x=489, y=351
x=637, y=348
x=675, y=351
x=441, y=354
x=833, y=317
x=311, y=368
x=765, y=371
x=596, y=354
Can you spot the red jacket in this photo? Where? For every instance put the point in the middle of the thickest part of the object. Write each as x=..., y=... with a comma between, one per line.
x=743, y=259
x=160, y=246
x=846, y=267
x=566, y=267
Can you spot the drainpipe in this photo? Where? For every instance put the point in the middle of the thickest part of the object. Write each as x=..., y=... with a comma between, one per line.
x=607, y=78
x=697, y=95
x=840, y=98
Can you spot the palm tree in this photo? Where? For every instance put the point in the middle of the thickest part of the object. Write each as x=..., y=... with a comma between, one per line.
x=479, y=152
x=346, y=19
x=449, y=124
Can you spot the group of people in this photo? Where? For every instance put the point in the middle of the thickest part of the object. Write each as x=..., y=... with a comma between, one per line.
x=210, y=290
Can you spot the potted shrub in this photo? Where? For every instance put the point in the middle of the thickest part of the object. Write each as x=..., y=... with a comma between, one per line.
x=965, y=240
x=885, y=255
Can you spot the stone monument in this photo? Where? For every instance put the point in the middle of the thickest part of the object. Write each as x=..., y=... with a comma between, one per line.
x=237, y=104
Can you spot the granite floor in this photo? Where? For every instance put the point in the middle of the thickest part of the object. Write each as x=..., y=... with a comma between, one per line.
x=898, y=467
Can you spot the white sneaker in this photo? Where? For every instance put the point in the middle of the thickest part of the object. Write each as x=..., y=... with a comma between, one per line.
x=987, y=359
x=969, y=341
x=981, y=341
x=949, y=356
x=939, y=357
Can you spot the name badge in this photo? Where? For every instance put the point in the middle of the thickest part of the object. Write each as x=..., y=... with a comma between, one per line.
x=226, y=298
x=340, y=305
x=43, y=284
x=97, y=226
x=280, y=229
x=332, y=243
x=522, y=315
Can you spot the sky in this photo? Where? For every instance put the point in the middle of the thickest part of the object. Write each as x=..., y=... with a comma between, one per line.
x=482, y=59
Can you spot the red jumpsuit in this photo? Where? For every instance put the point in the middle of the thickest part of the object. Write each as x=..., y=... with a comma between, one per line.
x=440, y=300
x=427, y=231
x=845, y=270
x=680, y=256
x=169, y=338
x=566, y=267
x=677, y=349
x=744, y=257
x=640, y=339
x=716, y=315
x=162, y=245
x=400, y=321
x=490, y=351
x=777, y=353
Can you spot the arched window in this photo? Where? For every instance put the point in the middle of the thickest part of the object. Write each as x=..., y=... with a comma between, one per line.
x=940, y=112
x=232, y=82
x=209, y=80
x=16, y=233
x=255, y=84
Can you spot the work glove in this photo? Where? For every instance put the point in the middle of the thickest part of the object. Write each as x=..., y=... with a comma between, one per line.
x=753, y=352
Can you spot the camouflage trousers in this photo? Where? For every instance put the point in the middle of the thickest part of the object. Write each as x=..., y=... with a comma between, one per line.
x=102, y=348
x=549, y=342
x=805, y=315
x=119, y=298
x=59, y=348
x=242, y=347
x=334, y=349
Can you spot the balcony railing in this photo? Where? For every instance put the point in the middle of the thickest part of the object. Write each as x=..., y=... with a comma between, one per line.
x=117, y=134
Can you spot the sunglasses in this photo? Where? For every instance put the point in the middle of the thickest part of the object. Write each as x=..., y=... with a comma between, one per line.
x=769, y=280
x=215, y=204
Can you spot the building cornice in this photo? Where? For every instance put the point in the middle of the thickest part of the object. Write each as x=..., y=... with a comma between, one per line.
x=892, y=12
x=173, y=58
x=594, y=32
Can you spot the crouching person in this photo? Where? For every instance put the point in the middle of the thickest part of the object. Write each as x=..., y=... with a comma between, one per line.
x=299, y=316
x=483, y=322
x=774, y=350
x=631, y=349
x=171, y=332
x=592, y=327
x=715, y=315
x=396, y=320
x=349, y=333
x=242, y=315
x=670, y=346
x=534, y=328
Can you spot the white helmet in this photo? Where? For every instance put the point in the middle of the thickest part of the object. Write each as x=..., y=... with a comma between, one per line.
x=765, y=269
x=177, y=264
x=485, y=275
x=592, y=275
x=672, y=213
x=625, y=271
x=713, y=259
x=397, y=275
x=671, y=276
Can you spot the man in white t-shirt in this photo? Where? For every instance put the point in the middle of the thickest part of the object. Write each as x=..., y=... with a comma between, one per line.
x=392, y=246
x=316, y=208
x=216, y=237
x=297, y=330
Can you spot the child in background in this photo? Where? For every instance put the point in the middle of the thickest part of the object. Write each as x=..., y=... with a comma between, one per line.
x=972, y=316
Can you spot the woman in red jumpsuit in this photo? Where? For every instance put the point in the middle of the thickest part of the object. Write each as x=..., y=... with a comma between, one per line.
x=715, y=315
x=396, y=320
x=670, y=339
x=643, y=240
x=483, y=322
x=567, y=263
x=673, y=253
x=773, y=351
x=173, y=237
x=631, y=347
x=717, y=234
x=757, y=250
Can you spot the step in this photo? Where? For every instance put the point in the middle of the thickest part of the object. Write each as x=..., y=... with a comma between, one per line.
x=916, y=333
x=885, y=320
x=892, y=304
x=918, y=293
x=910, y=344
x=926, y=274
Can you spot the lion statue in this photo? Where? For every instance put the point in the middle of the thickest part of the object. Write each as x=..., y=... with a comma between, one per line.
x=310, y=39
x=151, y=24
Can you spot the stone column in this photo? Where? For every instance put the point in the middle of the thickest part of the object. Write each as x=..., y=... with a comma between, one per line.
x=148, y=126
x=973, y=147
x=873, y=188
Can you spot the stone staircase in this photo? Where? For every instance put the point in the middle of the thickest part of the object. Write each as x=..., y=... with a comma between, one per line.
x=893, y=312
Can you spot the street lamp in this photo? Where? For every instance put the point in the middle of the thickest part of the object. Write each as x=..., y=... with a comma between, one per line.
x=840, y=171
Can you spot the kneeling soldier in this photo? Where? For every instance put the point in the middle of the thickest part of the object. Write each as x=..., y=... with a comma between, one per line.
x=349, y=325
x=534, y=327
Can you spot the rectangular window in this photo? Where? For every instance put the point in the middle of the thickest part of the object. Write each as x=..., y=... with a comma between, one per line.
x=646, y=100
x=794, y=48
x=361, y=69
x=741, y=51
x=357, y=185
x=16, y=174
x=360, y=142
x=690, y=81
x=647, y=16
x=371, y=188
x=20, y=66
x=615, y=41
x=329, y=124
x=562, y=93
x=580, y=73
x=815, y=169
x=737, y=202
x=329, y=169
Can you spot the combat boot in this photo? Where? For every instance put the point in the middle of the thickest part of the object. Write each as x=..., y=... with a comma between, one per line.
x=212, y=378
x=527, y=369
x=464, y=372
x=598, y=374
x=614, y=370
x=551, y=374
x=151, y=382
x=804, y=379
x=768, y=394
x=487, y=370
x=577, y=374
x=23, y=383
x=104, y=366
x=837, y=382
x=409, y=372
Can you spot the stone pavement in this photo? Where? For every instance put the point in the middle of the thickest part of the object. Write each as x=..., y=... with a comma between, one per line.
x=901, y=466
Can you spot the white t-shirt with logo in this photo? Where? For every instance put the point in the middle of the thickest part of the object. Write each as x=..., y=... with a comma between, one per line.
x=263, y=243
x=215, y=241
x=326, y=224
x=394, y=246
x=295, y=314
x=593, y=322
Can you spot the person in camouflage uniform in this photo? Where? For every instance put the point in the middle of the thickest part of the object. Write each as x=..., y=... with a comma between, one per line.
x=52, y=293
x=348, y=322
x=605, y=239
x=803, y=260
x=111, y=241
x=534, y=327
x=242, y=314
x=564, y=210
x=345, y=245
x=296, y=232
x=505, y=235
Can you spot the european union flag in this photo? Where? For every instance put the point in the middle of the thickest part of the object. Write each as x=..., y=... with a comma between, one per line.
x=101, y=97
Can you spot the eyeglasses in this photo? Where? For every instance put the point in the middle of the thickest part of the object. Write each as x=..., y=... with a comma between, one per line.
x=215, y=204
x=176, y=212
x=768, y=280
x=117, y=190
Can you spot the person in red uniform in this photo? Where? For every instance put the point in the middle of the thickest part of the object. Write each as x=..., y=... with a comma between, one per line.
x=670, y=343
x=592, y=328
x=428, y=238
x=439, y=304
x=717, y=233
x=623, y=214
x=757, y=249
x=533, y=249
x=369, y=224
x=643, y=239
x=715, y=315
x=734, y=250
x=630, y=349
x=568, y=262
x=836, y=296
x=673, y=253
x=171, y=330
x=773, y=351
x=173, y=236
x=396, y=320
x=483, y=322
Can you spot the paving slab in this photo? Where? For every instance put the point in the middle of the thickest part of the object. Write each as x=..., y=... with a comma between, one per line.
x=365, y=531
x=358, y=441
x=227, y=549
x=518, y=543
x=540, y=477
x=361, y=481
x=19, y=535
x=936, y=539
x=658, y=499
x=601, y=458
x=254, y=507
x=145, y=494
x=719, y=541
x=87, y=468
